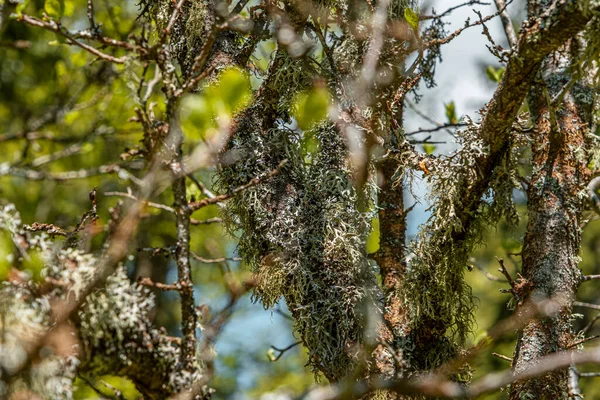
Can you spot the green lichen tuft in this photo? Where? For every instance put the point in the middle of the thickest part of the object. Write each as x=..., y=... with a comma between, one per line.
x=304, y=237
x=437, y=297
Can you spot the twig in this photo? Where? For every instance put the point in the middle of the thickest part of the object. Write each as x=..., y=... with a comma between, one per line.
x=589, y=374
x=509, y=359
x=513, y=285
x=281, y=352
x=509, y=30
x=146, y=203
x=55, y=27
x=173, y=18
x=590, y=277
x=449, y=38
x=164, y=207
x=147, y=281
x=222, y=197
x=50, y=229
x=590, y=325
x=213, y=260
x=437, y=128
x=584, y=340
x=586, y=305
x=487, y=274
x=449, y=10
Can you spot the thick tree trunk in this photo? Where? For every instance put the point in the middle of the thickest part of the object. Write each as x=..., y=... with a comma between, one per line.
x=555, y=206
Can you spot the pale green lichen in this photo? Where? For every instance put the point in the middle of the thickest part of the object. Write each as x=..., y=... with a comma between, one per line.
x=114, y=325
x=435, y=294
x=304, y=237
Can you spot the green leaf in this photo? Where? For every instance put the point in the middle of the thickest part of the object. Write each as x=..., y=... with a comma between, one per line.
x=311, y=107
x=21, y=7
x=373, y=238
x=494, y=74
x=34, y=263
x=411, y=18
x=6, y=251
x=55, y=8
x=232, y=90
x=429, y=148
x=451, y=113
x=203, y=114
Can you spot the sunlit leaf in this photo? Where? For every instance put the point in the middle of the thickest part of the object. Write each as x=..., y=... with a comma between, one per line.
x=203, y=114
x=494, y=74
x=373, y=238
x=5, y=254
x=21, y=7
x=55, y=8
x=34, y=263
x=429, y=148
x=451, y=113
x=311, y=107
x=411, y=18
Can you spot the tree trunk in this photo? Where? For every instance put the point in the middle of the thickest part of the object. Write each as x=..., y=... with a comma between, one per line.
x=555, y=205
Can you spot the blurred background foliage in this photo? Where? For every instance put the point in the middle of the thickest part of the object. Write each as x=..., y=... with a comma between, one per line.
x=78, y=112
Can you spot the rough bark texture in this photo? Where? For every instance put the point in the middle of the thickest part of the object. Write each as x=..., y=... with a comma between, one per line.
x=555, y=205
x=540, y=36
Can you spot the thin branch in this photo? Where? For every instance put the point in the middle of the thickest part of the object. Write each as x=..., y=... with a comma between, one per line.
x=437, y=128
x=147, y=281
x=173, y=18
x=451, y=9
x=55, y=27
x=129, y=195
x=487, y=274
x=509, y=29
x=503, y=357
x=582, y=341
x=213, y=260
x=449, y=38
x=586, y=305
x=589, y=374
x=513, y=285
x=281, y=352
x=222, y=197
x=590, y=325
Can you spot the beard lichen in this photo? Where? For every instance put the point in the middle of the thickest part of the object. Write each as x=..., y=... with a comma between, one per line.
x=304, y=237
x=435, y=293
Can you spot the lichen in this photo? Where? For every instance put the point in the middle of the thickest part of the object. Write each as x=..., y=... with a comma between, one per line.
x=116, y=335
x=435, y=294
x=304, y=236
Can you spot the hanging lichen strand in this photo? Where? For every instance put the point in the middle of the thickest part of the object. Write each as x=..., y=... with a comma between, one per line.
x=302, y=233
x=439, y=300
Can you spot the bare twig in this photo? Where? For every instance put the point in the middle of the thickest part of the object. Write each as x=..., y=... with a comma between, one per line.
x=503, y=357
x=281, y=352
x=222, y=197
x=586, y=305
x=449, y=10
x=55, y=27
x=509, y=30
x=213, y=260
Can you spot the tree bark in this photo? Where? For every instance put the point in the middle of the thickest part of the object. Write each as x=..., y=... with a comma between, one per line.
x=555, y=205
